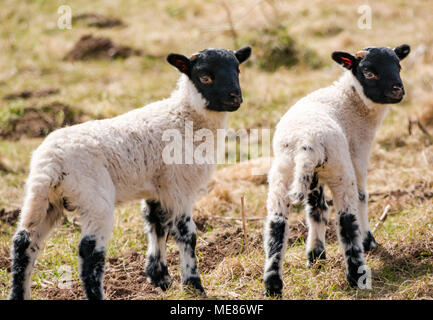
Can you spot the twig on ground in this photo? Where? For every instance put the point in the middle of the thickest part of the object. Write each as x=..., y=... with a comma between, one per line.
x=382, y=218
x=244, y=225
x=420, y=126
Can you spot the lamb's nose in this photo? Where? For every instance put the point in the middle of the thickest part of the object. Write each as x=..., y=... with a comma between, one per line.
x=237, y=98
x=398, y=90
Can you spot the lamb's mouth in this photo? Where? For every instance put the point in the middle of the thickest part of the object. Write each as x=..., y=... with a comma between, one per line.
x=231, y=106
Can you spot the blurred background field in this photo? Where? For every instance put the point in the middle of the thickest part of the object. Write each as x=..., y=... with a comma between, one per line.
x=113, y=60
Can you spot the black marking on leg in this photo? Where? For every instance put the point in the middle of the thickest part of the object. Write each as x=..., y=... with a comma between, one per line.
x=317, y=202
x=184, y=233
x=362, y=196
x=182, y=226
x=369, y=242
x=353, y=254
x=157, y=272
x=314, y=182
x=277, y=230
x=348, y=227
x=353, y=261
x=92, y=268
x=273, y=285
x=273, y=282
x=156, y=216
x=20, y=262
x=318, y=253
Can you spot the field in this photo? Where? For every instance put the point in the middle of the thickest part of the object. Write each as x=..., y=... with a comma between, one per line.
x=43, y=87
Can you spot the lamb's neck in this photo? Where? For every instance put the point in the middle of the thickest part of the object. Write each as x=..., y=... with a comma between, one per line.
x=357, y=102
x=193, y=105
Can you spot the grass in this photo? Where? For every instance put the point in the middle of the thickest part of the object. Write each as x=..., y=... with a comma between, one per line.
x=32, y=50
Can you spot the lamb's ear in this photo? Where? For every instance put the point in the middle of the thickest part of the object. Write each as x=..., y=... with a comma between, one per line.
x=182, y=63
x=243, y=53
x=344, y=58
x=402, y=51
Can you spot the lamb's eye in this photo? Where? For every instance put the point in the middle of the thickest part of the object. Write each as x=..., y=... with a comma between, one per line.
x=370, y=75
x=206, y=79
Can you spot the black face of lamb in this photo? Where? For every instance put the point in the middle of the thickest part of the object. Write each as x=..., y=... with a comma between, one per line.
x=215, y=74
x=92, y=268
x=20, y=262
x=378, y=71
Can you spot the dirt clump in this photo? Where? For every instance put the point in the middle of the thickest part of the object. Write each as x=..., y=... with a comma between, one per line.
x=98, y=20
x=9, y=216
x=90, y=47
x=35, y=122
x=27, y=94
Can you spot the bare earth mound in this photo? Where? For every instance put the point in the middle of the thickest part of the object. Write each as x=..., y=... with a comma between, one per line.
x=38, y=122
x=90, y=47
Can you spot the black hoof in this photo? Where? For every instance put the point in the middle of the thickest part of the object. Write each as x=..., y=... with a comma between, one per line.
x=369, y=242
x=353, y=277
x=195, y=283
x=274, y=286
x=157, y=274
x=316, y=254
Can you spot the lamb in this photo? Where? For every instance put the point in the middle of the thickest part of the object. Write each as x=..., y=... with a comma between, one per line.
x=93, y=166
x=326, y=138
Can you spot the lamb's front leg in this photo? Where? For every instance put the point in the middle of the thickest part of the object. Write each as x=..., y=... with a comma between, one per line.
x=184, y=232
x=368, y=241
x=157, y=231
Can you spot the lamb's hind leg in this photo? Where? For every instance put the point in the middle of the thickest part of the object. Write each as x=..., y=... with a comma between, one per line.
x=276, y=226
x=317, y=215
x=156, y=262
x=96, y=219
x=345, y=196
x=27, y=243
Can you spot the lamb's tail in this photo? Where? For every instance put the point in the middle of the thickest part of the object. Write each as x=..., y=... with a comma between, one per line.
x=306, y=161
x=44, y=175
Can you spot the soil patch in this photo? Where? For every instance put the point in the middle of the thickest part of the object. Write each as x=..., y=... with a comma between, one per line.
x=9, y=217
x=90, y=47
x=98, y=20
x=39, y=122
x=27, y=94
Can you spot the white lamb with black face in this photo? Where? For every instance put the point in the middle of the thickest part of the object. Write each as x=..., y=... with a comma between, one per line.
x=93, y=166
x=326, y=138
